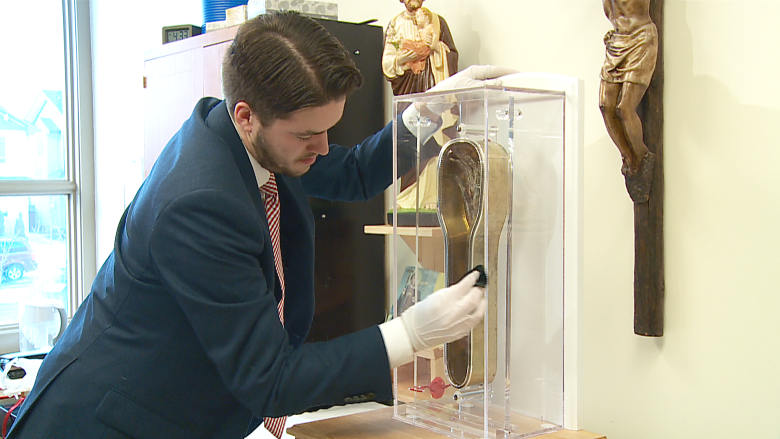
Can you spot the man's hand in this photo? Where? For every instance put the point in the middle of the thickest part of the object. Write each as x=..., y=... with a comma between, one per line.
x=608, y=36
x=420, y=49
x=432, y=110
x=406, y=55
x=447, y=315
x=474, y=76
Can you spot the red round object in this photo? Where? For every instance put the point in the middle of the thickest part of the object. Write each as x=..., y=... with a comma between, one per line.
x=437, y=387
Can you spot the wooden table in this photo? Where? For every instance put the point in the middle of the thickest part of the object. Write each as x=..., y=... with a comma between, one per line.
x=379, y=424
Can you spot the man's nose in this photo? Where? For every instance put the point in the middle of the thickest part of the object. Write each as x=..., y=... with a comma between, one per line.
x=319, y=144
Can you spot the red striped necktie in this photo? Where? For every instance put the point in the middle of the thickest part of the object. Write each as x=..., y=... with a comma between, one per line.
x=272, y=212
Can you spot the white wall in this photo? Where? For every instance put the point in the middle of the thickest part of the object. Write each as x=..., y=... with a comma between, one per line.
x=121, y=33
x=715, y=372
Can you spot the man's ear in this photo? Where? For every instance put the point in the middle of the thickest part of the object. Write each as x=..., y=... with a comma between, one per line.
x=242, y=115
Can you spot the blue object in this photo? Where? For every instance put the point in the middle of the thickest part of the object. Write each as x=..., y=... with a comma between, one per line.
x=214, y=10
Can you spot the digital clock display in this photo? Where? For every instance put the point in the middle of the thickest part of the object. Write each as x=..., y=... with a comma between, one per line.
x=176, y=35
x=181, y=32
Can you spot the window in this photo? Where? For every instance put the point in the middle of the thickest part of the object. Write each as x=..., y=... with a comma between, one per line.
x=46, y=193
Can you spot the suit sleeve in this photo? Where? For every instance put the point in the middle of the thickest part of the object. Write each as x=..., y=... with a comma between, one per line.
x=208, y=247
x=362, y=172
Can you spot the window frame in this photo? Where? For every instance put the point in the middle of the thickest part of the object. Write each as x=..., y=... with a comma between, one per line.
x=79, y=152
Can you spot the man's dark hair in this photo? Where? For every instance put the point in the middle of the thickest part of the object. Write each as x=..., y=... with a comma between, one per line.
x=283, y=62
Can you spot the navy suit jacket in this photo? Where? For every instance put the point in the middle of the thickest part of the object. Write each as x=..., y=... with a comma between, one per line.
x=180, y=337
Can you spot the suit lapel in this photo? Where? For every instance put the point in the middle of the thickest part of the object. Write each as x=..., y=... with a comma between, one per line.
x=219, y=123
x=296, y=229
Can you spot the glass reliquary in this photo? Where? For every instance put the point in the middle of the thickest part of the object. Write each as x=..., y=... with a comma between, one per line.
x=484, y=182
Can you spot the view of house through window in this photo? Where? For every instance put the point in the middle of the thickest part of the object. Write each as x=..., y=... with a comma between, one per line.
x=33, y=251
x=34, y=158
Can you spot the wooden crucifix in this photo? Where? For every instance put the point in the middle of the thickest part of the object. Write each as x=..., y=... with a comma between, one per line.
x=631, y=102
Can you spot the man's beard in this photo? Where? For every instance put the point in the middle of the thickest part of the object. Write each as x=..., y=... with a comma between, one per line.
x=267, y=160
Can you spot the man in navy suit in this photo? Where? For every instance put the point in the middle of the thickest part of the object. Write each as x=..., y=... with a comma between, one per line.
x=184, y=334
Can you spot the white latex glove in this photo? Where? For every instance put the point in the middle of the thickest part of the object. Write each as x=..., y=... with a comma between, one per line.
x=471, y=77
x=446, y=315
x=474, y=76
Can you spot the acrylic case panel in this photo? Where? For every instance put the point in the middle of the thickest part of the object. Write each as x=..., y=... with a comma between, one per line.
x=482, y=184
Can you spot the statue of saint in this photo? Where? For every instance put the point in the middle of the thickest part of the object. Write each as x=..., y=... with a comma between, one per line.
x=631, y=52
x=419, y=50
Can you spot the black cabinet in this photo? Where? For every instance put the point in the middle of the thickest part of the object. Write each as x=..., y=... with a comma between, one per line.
x=350, y=265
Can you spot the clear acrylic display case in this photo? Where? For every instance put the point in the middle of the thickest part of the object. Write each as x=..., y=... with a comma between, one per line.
x=486, y=187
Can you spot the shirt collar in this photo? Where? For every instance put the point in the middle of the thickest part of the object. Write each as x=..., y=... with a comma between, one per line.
x=262, y=175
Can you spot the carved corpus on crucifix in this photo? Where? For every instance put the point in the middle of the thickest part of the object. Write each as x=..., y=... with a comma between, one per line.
x=631, y=84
